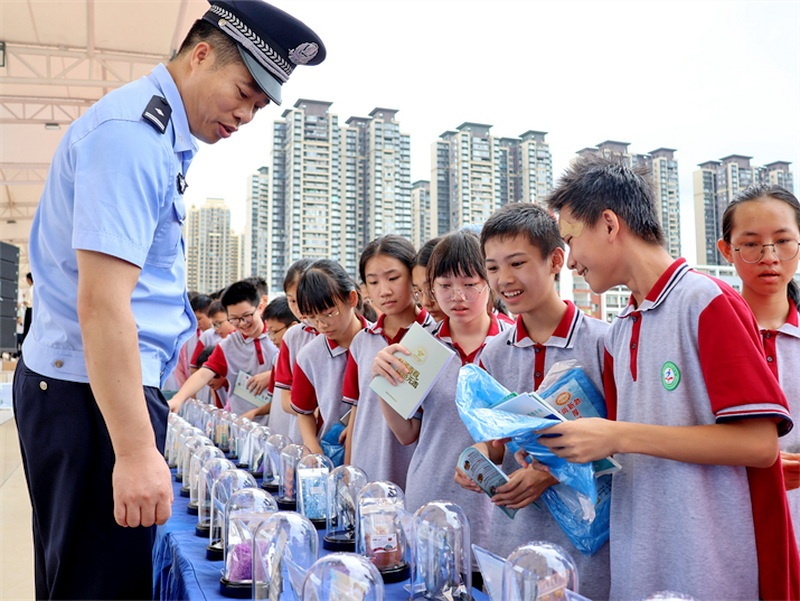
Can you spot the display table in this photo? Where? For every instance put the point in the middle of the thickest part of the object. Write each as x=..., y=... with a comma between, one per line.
x=181, y=570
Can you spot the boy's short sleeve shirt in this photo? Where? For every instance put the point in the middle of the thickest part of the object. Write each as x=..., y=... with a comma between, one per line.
x=690, y=355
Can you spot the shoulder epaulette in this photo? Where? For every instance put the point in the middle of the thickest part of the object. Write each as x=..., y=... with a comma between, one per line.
x=157, y=113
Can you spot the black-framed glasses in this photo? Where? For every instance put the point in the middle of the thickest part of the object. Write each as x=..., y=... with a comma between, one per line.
x=218, y=324
x=272, y=333
x=447, y=292
x=245, y=318
x=325, y=319
x=785, y=249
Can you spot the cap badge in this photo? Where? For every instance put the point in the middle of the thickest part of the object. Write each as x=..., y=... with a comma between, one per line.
x=222, y=23
x=304, y=53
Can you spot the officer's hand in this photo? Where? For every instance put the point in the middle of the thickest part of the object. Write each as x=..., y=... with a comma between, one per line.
x=142, y=489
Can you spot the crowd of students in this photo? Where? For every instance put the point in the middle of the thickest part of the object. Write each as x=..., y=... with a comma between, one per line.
x=700, y=382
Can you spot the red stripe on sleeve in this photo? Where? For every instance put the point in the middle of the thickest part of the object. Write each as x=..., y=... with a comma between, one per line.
x=304, y=396
x=350, y=389
x=283, y=368
x=217, y=362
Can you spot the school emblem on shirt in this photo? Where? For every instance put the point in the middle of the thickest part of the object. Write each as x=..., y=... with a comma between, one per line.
x=670, y=375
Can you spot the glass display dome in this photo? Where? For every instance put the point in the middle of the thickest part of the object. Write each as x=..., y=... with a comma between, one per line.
x=244, y=511
x=441, y=568
x=287, y=488
x=272, y=461
x=184, y=435
x=175, y=424
x=379, y=531
x=312, y=485
x=205, y=482
x=198, y=460
x=227, y=483
x=539, y=570
x=284, y=535
x=256, y=452
x=344, y=484
x=343, y=576
x=190, y=446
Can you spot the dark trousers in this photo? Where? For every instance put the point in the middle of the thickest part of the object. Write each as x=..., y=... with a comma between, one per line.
x=80, y=551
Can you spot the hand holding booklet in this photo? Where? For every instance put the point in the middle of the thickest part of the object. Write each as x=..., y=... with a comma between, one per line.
x=425, y=364
x=240, y=390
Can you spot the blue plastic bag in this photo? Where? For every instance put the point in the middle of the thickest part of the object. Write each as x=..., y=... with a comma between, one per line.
x=579, y=510
x=330, y=444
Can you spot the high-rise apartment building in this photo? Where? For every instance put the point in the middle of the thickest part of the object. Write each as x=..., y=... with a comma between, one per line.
x=474, y=174
x=715, y=185
x=422, y=219
x=257, y=238
x=212, y=250
x=664, y=174
x=308, y=211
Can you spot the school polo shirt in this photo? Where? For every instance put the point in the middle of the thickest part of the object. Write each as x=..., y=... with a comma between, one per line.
x=112, y=189
x=318, y=376
x=520, y=364
x=374, y=447
x=689, y=355
x=206, y=340
x=238, y=353
x=295, y=338
x=782, y=348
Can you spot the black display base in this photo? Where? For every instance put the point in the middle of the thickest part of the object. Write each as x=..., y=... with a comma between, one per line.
x=178, y=477
x=319, y=523
x=398, y=574
x=256, y=475
x=201, y=530
x=232, y=456
x=286, y=505
x=185, y=492
x=191, y=509
x=269, y=486
x=214, y=551
x=332, y=543
x=235, y=590
x=243, y=466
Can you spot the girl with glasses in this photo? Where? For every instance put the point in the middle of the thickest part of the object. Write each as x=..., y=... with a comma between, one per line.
x=460, y=285
x=385, y=268
x=329, y=298
x=760, y=233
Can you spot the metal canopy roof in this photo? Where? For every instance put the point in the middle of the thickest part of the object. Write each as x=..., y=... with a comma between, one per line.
x=60, y=57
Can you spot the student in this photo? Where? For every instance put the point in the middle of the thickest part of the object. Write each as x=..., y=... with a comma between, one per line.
x=220, y=328
x=421, y=285
x=279, y=318
x=385, y=267
x=218, y=386
x=199, y=304
x=328, y=297
x=760, y=234
x=283, y=419
x=247, y=349
x=461, y=288
x=524, y=254
x=699, y=504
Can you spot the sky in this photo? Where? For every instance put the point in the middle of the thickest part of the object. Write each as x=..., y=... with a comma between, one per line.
x=707, y=78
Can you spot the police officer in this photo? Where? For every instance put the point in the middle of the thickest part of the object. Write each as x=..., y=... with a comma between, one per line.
x=111, y=310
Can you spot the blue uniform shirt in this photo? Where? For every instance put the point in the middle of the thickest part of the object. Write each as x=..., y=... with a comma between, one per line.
x=113, y=188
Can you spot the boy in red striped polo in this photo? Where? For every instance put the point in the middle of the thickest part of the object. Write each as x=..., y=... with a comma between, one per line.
x=698, y=506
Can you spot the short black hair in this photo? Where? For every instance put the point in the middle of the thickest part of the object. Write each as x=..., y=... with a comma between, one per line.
x=240, y=291
x=390, y=245
x=226, y=51
x=524, y=219
x=214, y=308
x=457, y=254
x=594, y=183
x=278, y=309
x=424, y=254
x=294, y=272
x=201, y=302
x=259, y=282
x=321, y=285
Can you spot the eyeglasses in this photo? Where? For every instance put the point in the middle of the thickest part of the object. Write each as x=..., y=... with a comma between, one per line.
x=245, y=318
x=273, y=333
x=418, y=294
x=470, y=292
x=218, y=324
x=323, y=320
x=785, y=249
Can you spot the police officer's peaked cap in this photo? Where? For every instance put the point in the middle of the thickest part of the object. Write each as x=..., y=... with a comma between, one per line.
x=270, y=41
